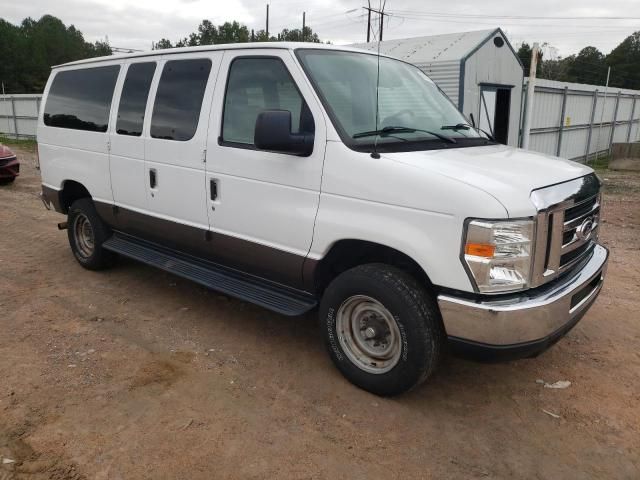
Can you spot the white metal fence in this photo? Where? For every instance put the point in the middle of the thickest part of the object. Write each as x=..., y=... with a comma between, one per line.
x=19, y=115
x=576, y=121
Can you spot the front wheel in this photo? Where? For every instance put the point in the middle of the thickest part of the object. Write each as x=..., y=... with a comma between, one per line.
x=382, y=329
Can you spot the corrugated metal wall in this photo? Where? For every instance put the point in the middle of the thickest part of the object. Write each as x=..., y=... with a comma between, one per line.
x=446, y=75
x=19, y=115
x=566, y=119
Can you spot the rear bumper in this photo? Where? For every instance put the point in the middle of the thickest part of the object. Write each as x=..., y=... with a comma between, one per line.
x=526, y=324
x=51, y=199
x=9, y=168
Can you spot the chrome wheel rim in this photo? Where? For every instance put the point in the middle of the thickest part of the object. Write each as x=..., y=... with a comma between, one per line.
x=83, y=235
x=368, y=334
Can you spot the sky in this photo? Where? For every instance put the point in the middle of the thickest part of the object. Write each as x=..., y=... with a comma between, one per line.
x=137, y=24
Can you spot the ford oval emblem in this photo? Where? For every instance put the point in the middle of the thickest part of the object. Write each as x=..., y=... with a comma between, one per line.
x=584, y=231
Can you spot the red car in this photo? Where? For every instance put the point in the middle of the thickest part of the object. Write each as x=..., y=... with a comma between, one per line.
x=9, y=165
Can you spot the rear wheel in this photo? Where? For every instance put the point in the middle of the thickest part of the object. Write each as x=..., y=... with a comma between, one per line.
x=382, y=329
x=87, y=232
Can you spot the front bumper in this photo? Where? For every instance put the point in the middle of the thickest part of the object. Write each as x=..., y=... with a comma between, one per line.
x=523, y=325
x=9, y=168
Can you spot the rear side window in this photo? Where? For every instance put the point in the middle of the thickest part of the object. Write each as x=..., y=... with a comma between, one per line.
x=133, y=100
x=81, y=99
x=255, y=85
x=179, y=99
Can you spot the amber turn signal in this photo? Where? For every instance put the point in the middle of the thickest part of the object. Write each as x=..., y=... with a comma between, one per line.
x=480, y=249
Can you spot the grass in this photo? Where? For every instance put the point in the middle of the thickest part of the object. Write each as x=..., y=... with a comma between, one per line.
x=27, y=143
x=601, y=163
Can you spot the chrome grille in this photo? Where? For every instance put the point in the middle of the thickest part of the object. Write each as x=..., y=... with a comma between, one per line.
x=575, y=245
x=568, y=220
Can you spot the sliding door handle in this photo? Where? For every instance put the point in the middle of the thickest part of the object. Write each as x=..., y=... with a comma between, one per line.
x=153, y=178
x=213, y=189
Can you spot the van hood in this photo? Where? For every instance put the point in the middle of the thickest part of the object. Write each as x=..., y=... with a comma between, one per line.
x=506, y=173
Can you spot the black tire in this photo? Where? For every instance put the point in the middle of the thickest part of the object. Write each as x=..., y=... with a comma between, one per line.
x=7, y=181
x=91, y=256
x=411, y=306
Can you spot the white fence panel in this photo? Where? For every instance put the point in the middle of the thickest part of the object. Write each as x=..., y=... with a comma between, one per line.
x=576, y=121
x=19, y=115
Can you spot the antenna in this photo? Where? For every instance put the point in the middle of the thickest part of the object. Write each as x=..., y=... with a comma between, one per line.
x=375, y=153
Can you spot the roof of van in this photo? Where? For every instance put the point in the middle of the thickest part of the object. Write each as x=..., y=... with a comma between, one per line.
x=225, y=46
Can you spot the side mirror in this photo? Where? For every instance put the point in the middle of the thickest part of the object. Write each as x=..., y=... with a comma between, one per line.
x=273, y=133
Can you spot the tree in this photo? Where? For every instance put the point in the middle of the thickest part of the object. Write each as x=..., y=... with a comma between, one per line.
x=162, y=44
x=625, y=63
x=29, y=50
x=99, y=49
x=232, y=32
x=524, y=52
x=588, y=66
x=295, y=35
x=235, y=32
x=207, y=33
x=261, y=36
x=558, y=69
x=11, y=53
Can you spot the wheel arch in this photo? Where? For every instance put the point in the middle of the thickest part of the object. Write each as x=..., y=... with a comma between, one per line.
x=348, y=253
x=71, y=191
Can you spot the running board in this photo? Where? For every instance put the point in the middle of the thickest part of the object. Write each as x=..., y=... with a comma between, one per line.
x=270, y=295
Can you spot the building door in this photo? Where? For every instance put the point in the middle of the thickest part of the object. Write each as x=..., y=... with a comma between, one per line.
x=495, y=103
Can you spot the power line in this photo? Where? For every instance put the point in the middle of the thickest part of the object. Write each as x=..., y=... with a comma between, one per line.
x=511, y=17
x=472, y=21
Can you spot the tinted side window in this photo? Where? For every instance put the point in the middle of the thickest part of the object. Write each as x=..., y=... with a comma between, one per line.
x=257, y=84
x=81, y=99
x=179, y=99
x=133, y=100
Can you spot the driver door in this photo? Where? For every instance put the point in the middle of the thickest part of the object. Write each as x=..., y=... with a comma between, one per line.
x=262, y=205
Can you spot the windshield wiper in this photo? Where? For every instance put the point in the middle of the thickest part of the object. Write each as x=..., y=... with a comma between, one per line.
x=466, y=126
x=388, y=130
x=459, y=126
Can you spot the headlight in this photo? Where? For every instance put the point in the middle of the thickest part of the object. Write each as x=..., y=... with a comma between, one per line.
x=499, y=254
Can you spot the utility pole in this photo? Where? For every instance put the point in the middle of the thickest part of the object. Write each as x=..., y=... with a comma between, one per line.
x=303, y=23
x=530, y=93
x=369, y=22
x=267, y=29
x=381, y=14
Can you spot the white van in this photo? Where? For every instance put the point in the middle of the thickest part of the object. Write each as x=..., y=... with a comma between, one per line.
x=298, y=176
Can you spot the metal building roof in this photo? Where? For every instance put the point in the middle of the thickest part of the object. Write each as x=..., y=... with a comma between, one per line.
x=436, y=48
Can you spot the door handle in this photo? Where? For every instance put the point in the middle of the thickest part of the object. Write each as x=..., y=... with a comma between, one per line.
x=214, y=189
x=153, y=178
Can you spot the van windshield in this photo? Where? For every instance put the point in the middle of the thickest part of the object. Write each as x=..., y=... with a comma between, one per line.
x=412, y=112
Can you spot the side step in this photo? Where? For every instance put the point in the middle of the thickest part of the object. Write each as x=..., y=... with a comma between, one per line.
x=270, y=295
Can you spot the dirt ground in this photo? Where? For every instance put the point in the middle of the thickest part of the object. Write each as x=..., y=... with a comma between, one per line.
x=134, y=373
